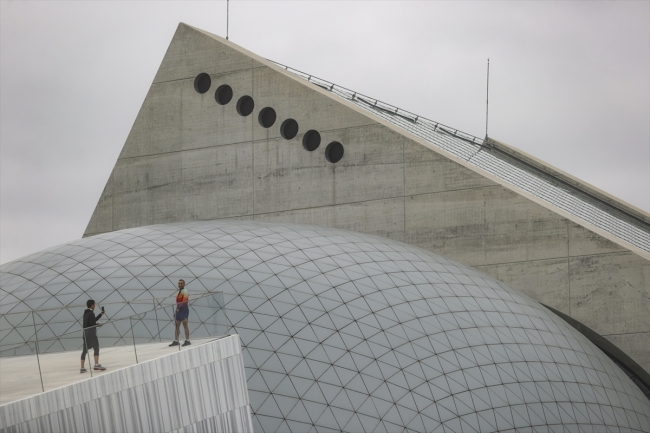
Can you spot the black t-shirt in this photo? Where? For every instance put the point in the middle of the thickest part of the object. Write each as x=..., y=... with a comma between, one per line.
x=90, y=320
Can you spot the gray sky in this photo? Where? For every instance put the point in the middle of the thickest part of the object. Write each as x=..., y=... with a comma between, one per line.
x=569, y=84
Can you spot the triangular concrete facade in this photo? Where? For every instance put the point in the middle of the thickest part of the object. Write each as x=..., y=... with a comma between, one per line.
x=189, y=158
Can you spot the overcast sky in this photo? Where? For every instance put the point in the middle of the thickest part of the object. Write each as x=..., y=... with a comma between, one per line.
x=569, y=84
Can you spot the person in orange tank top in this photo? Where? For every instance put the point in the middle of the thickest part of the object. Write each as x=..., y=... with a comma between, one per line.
x=182, y=313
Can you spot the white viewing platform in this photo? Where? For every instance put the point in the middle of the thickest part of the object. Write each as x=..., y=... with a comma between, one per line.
x=20, y=378
x=201, y=387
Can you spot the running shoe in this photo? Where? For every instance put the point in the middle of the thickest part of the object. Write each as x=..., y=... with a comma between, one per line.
x=99, y=367
x=174, y=343
x=187, y=343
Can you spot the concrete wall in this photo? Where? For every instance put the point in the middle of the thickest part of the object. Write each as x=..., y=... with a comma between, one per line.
x=188, y=158
x=197, y=389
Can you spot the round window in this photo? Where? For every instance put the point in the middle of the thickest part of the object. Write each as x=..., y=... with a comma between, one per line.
x=289, y=129
x=223, y=95
x=202, y=83
x=267, y=117
x=311, y=140
x=334, y=151
x=245, y=105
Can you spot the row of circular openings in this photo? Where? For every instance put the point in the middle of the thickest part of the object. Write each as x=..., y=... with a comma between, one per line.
x=267, y=117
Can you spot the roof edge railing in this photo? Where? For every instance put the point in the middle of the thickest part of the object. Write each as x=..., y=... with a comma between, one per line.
x=381, y=105
x=569, y=181
x=481, y=144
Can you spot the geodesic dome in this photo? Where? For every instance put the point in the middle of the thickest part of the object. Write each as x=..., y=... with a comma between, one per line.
x=349, y=332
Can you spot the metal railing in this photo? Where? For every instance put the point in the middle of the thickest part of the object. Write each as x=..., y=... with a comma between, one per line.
x=123, y=341
x=383, y=106
x=56, y=327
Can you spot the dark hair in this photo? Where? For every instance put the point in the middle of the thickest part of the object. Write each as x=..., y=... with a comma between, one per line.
x=89, y=303
x=181, y=280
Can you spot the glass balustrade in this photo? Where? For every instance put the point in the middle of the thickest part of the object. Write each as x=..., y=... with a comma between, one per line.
x=49, y=356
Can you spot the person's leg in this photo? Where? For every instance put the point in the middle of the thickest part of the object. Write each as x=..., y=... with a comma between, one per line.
x=83, y=355
x=97, y=364
x=96, y=352
x=187, y=330
x=177, y=332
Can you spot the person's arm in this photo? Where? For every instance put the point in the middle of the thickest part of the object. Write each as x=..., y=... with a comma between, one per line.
x=98, y=316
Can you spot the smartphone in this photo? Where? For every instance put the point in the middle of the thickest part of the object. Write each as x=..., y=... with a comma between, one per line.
x=102, y=309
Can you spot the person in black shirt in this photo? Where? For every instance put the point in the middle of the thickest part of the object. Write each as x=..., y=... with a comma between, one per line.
x=90, y=335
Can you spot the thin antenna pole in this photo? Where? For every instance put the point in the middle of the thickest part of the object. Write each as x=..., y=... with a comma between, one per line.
x=487, y=99
x=227, y=17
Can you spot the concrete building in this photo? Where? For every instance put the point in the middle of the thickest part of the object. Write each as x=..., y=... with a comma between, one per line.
x=382, y=328
x=189, y=157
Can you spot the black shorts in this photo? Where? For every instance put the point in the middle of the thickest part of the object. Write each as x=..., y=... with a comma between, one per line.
x=90, y=343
